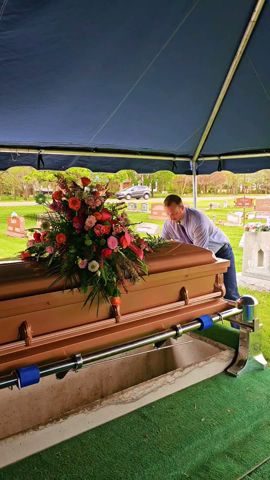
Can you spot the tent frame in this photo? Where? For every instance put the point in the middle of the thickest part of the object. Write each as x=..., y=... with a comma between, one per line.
x=170, y=157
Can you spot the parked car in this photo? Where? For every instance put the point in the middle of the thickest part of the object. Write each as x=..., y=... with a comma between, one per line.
x=138, y=191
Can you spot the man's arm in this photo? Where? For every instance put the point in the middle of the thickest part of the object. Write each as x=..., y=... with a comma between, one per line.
x=166, y=234
x=201, y=235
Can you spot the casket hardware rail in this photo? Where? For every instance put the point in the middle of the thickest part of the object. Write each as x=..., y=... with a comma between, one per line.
x=242, y=313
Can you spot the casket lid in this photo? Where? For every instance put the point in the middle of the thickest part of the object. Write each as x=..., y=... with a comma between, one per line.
x=20, y=278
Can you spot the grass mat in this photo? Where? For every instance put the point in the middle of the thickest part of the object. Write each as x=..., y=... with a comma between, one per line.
x=218, y=428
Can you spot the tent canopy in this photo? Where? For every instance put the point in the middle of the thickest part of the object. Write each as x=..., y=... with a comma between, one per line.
x=134, y=80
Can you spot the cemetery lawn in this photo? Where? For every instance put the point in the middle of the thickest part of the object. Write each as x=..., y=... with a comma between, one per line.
x=10, y=248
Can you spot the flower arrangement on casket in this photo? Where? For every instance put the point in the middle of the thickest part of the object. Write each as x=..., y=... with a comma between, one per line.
x=88, y=245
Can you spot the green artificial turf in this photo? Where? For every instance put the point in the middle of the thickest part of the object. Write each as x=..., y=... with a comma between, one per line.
x=217, y=429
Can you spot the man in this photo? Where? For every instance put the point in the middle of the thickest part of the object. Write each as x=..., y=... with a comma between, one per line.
x=188, y=225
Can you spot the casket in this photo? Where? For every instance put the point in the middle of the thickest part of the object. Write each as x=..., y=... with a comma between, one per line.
x=42, y=322
x=46, y=329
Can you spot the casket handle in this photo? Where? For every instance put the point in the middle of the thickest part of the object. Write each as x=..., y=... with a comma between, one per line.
x=184, y=295
x=26, y=333
x=219, y=284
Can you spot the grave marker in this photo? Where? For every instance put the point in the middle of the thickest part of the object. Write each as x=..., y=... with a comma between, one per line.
x=16, y=226
x=262, y=205
x=244, y=202
x=158, y=212
x=150, y=228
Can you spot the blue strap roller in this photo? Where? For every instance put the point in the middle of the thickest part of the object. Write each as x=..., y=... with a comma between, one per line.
x=28, y=375
x=206, y=322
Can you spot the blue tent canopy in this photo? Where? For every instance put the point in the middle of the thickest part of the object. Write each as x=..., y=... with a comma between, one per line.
x=133, y=82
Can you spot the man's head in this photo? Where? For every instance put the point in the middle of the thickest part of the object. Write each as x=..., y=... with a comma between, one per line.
x=174, y=207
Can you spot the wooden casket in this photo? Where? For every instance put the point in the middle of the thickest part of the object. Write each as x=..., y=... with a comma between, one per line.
x=42, y=323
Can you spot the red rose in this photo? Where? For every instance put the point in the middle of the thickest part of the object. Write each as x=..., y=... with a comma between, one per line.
x=61, y=238
x=138, y=252
x=85, y=181
x=106, y=215
x=74, y=203
x=37, y=237
x=99, y=230
x=57, y=195
x=98, y=216
x=77, y=223
x=25, y=255
x=106, y=229
x=106, y=252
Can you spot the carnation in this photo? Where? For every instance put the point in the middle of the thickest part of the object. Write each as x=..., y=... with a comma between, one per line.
x=93, y=266
x=90, y=222
x=61, y=238
x=74, y=203
x=112, y=242
x=82, y=263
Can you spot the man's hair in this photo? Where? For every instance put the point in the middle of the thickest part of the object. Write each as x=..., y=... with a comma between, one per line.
x=172, y=199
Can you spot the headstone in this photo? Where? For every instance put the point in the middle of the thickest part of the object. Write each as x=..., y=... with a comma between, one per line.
x=262, y=205
x=256, y=259
x=244, y=202
x=144, y=207
x=16, y=226
x=235, y=218
x=214, y=205
x=158, y=212
x=132, y=207
x=150, y=228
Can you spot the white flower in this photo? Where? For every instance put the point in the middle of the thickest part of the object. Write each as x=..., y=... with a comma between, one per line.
x=93, y=266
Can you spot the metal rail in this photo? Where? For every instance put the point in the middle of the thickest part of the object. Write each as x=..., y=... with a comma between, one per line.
x=78, y=361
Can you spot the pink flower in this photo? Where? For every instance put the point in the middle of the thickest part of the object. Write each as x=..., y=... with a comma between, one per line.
x=112, y=242
x=118, y=229
x=98, y=202
x=30, y=243
x=49, y=250
x=90, y=222
x=82, y=262
x=90, y=201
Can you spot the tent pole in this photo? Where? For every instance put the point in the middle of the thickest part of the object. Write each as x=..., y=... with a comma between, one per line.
x=194, y=184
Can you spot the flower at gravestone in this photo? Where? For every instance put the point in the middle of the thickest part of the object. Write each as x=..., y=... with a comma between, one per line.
x=90, y=246
x=257, y=227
